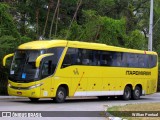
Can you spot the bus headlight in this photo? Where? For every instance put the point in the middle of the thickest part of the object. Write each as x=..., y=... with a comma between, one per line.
x=34, y=86
x=9, y=85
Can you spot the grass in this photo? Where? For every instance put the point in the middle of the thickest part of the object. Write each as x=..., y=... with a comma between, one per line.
x=136, y=108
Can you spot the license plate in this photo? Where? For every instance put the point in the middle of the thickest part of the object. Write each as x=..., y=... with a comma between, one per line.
x=19, y=93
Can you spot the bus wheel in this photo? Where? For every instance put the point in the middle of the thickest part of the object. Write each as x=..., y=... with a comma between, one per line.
x=60, y=95
x=34, y=99
x=136, y=93
x=127, y=93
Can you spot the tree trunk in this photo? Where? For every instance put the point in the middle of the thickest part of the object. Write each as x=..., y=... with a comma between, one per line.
x=57, y=22
x=50, y=4
x=50, y=32
x=74, y=16
x=37, y=22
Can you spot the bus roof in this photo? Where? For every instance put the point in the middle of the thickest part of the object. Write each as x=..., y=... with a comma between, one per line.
x=45, y=44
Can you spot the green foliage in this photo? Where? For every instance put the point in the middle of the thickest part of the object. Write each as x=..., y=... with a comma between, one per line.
x=7, y=45
x=9, y=35
x=136, y=40
x=99, y=29
x=24, y=39
x=156, y=28
x=90, y=27
x=113, y=22
x=7, y=25
x=112, y=31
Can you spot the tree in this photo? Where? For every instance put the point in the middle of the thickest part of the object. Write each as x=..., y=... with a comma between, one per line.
x=50, y=5
x=9, y=35
x=156, y=26
x=98, y=29
x=136, y=40
x=7, y=24
x=53, y=18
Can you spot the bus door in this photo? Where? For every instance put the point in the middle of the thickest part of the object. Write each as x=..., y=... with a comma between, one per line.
x=46, y=71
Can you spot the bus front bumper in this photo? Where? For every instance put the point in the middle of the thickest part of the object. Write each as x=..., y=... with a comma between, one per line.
x=32, y=91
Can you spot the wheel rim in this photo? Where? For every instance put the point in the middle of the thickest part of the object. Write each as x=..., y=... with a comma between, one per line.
x=127, y=93
x=137, y=92
x=60, y=95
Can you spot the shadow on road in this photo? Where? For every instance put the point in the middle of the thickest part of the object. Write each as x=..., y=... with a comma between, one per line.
x=75, y=100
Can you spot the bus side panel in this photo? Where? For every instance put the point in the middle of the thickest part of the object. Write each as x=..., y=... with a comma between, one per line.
x=112, y=81
x=46, y=89
x=73, y=77
x=152, y=81
x=84, y=80
x=94, y=75
x=115, y=80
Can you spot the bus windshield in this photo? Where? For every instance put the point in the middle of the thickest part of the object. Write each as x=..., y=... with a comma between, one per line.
x=23, y=65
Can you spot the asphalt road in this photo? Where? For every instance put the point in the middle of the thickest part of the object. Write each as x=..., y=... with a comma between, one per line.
x=88, y=105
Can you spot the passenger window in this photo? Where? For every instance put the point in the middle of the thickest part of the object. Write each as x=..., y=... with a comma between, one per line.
x=124, y=60
x=152, y=61
x=132, y=60
x=57, y=51
x=106, y=59
x=71, y=58
x=141, y=62
x=79, y=56
x=96, y=58
x=87, y=57
x=117, y=59
x=46, y=69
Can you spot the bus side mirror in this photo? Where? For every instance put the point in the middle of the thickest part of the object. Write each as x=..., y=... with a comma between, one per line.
x=39, y=59
x=6, y=57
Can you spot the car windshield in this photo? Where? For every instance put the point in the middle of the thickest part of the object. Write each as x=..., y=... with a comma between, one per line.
x=23, y=65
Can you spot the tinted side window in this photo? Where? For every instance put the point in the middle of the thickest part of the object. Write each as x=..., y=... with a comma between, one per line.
x=46, y=69
x=96, y=58
x=79, y=56
x=87, y=56
x=70, y=58
x=132, y=60
x=117, y=59
x=105, y=58
x=124, y=60
x=152, y=61
x=57, y=51
x=114, y=59
x=57, y=54
x=143, y=61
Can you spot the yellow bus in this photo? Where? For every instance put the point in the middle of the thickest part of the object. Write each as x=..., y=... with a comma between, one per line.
x=59, y=68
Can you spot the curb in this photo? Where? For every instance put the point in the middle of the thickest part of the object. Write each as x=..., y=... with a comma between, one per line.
x=110, y=116
x=11, y=97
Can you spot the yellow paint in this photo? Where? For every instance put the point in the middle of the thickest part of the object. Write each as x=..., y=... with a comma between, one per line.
x=38, y=60
x=6, y=57
x=90, y=78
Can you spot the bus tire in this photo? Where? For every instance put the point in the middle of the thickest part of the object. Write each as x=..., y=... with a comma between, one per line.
x=60, y=95
x=127, y=93
x=136, y=93
x=33, y=99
